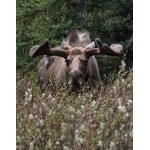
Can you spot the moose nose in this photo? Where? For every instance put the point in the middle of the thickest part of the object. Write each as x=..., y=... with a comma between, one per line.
x=75, y=74
x=76, y=79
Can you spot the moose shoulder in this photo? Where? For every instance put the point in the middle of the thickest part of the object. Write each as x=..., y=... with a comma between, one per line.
x=74, y=61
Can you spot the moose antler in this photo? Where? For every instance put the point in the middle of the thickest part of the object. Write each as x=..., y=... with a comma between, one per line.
x=44, y=49
x=113, y=50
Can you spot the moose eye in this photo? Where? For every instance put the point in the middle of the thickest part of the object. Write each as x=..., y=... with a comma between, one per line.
x=84, y=61
x=68, y=62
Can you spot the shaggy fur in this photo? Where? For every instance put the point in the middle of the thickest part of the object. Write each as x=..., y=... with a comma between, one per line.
x=79, y=38
x=73, y=62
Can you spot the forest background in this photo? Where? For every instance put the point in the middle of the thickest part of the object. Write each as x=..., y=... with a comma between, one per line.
x=109, y=20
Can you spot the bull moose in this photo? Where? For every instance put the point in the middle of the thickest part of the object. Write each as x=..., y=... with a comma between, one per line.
x=73, y=62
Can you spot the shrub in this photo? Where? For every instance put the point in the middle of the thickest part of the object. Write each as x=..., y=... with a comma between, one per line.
x=95, y=120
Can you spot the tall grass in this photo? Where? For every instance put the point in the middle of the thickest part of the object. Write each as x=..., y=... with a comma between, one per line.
x=95, y=120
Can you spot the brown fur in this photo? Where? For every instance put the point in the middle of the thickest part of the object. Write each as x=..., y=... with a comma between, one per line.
x=73, y=62
x=58, y=69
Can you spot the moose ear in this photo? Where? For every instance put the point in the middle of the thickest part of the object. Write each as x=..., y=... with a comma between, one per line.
x=91, y=45
x=42, y=49
x=65, y=45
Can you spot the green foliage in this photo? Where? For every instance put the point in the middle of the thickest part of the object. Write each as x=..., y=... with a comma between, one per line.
x=92, y=120
x=53, y=19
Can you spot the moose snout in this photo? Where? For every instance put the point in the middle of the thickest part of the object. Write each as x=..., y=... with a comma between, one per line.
x=76, y=79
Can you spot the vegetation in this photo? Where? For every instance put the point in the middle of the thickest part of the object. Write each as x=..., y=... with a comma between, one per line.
x=95, y=120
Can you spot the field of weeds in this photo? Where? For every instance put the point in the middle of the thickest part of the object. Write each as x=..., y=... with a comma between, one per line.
x=95, y=120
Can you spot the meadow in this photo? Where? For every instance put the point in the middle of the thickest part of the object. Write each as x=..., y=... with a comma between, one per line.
x=100, y=119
